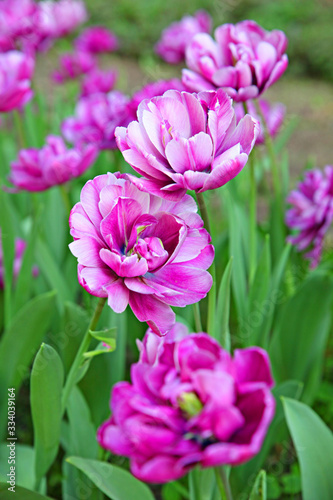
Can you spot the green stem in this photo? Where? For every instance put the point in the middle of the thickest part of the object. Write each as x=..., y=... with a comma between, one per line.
x=223, y=484
x=212, y=292
x=72, y=376
x=20, y=129
x=197, y=317
x=253, y=212
x=65, y=198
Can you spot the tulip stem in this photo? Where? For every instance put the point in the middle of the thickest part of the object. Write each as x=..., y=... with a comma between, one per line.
x=20, y=129
x=223, y=484
x=212, y=292
x=253, y=212
x=197, y=317
x=73, y=372
x=65, y=198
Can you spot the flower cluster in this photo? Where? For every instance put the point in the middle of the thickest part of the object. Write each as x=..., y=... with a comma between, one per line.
x=174, y=39
x=244, y=59
x=185, y=141
x=189, y=404
x=138, y=249
x=39, y=169
x=311, y=212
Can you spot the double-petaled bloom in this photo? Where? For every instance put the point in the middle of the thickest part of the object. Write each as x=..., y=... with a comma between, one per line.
x=96, y=39
x=54, y=163
x=175, y=38
x=244, y=59
x=16, y=70
x=273, y=114
x=311, y=212
x=185, y=141
x=73, y=65
x=135, y=248
x=98, y=81
x=96, y=118
x=190, y=403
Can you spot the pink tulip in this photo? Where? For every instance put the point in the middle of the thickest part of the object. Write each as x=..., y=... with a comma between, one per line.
x=185, y=141
x=16, y=70
x=62, y=17
x=96, y=118
x=98, y=81
x=73, y=65
x=40, y=169
x=273, y=115
x=244, y=59
x=190, y=403
x=96, y=39
x=311, y=212
x=135, y=248
x=174, y=40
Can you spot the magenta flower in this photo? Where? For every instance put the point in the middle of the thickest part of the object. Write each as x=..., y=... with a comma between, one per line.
x=311, y=213
x=40, y=169
x=16, y=71
x=189, y=404
x=96, y=118
x=174, y=40
x=244, y=60
x=20, y=246
x=73, y=65
x=186, y=141
x=155, y=89
x=273, y=115
x=63, y=16
x=96, y=39
x=138, y=249
x=97, y=81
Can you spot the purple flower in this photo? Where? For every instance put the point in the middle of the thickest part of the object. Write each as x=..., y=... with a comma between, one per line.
x=273, y=114
x=155, y=89
x=73, y=65
x=138, y=249
x=96, y=118
x=20, y=246
x=96, y=39
x=174, y=40
x=245, y=60
x=62, y=17
x=311, y=213
x=186, y=141
x=97, y=81
x=16, y=71
x=40, y=169
x=189, y=404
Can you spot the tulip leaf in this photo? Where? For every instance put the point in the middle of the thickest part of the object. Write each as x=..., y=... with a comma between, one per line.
x=7, y=241
x=108, y=336
x=221, y=329
x=20, y=493
x=261, y=280
x=114, y=482
x=46, y=384
x=313, y=441
x=259, y=490
x=25, y=332
x=101, y=349
x=75, y=322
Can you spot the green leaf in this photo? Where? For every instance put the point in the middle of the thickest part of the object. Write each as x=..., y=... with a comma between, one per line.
x=47, y=378
x=301, y=330
x=221, y=329
x=20, y=493
x=273, y=488
x=291, y=484
x=100, y=349
x=74, y=324
x=20, y=342
x=313, y=441
x=114, y=482
x=7, y=238
x=108, y=336
x=261, y=281
x=259, y=490
x=82, y=432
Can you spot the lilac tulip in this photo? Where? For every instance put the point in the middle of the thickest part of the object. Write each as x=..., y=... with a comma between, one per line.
x=190, y=403
x=174, y=40
x=185, y=141
x=96, y=39
x=155, y=89
x=40, y=169
x=311, y=212
x=273, y=115
x=244, y=59
x=16, y=70
x=135, y=248
x=96, y=118
x=73, y=65
x=98, y=81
